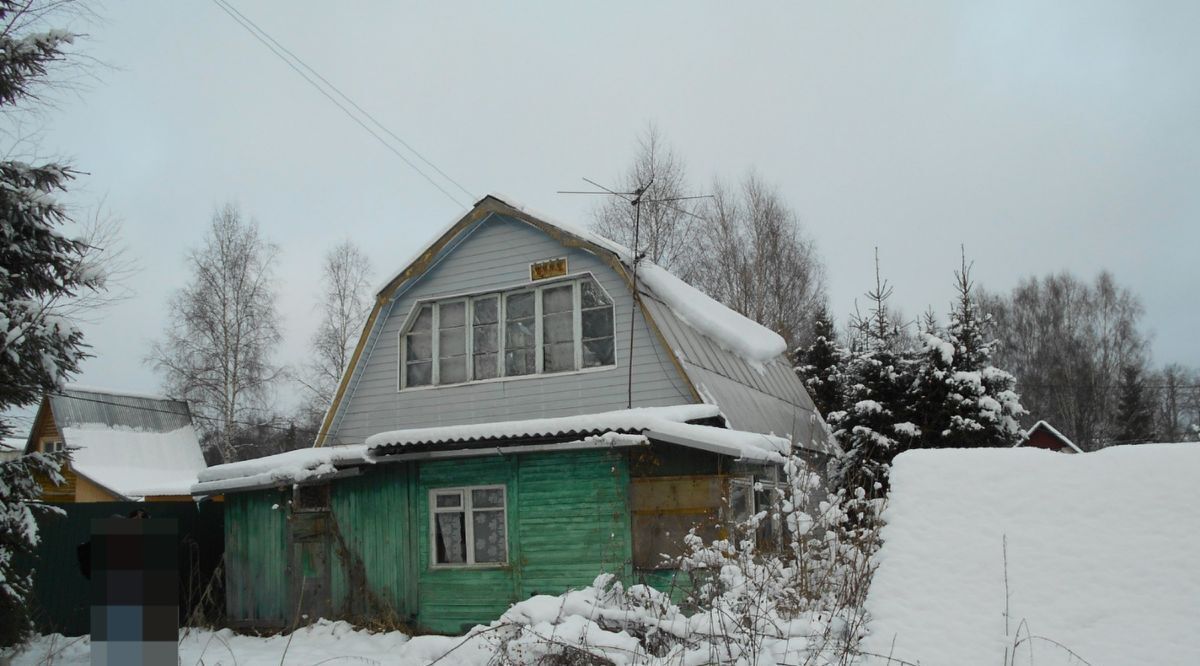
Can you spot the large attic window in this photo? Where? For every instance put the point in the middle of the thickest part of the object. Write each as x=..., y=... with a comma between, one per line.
x=561, y=326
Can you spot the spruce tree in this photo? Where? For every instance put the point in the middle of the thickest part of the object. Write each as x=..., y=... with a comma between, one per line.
x=984, y=408
x=929, y=394
x=821, y=365
x=40, y=266
x=1135, y=416
x=874, y=426
x=41, y=269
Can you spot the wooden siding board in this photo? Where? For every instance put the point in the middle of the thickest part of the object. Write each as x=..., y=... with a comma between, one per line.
x=497, y=255
x=574, y=519
x=369, y=572
x=256, y=558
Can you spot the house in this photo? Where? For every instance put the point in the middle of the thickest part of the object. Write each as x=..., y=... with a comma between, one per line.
x=515, y=420
x=1044, y=436
x=123, y=446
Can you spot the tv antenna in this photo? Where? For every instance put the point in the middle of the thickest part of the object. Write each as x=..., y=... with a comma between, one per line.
x=636, y=198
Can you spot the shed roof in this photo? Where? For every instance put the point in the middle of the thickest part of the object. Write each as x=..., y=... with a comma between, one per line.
x=134, y=445
x=1043, y=425
x=628, y=427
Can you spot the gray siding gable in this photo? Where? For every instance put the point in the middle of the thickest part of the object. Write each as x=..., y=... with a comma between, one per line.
x=494, y=254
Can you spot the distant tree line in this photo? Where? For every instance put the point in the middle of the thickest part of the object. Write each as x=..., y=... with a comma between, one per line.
x=1082, y=360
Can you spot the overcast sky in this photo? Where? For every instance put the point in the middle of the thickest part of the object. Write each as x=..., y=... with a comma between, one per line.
x=1043, y=136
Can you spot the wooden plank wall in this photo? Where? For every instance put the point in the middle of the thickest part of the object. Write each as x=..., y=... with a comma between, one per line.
x=257, y=567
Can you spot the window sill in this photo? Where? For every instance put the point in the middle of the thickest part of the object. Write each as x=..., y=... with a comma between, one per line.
x=470, y=567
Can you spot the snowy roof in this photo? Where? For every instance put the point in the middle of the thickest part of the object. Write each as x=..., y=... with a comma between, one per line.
x=1098, y=552
x=1052, y=430
x=669, y=424
x=726, y=358
x=731, y=330
x=134, y=445
x=624, y=420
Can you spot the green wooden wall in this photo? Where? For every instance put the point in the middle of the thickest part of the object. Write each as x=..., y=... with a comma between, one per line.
x=256, y=563
x=568, y=520
x=371, y=574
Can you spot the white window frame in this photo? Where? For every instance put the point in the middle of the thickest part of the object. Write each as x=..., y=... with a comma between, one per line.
x=468, y=525
x=502, y=311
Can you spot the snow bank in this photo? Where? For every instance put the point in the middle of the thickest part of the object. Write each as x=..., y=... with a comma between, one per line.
x=136, y=463
x=1100, y=557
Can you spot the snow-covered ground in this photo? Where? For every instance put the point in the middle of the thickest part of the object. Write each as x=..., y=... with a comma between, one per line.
x=1101, y=558
x=605, y=620
x=324, y=642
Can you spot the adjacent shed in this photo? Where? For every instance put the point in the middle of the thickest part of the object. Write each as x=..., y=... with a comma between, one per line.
x=122, y=445
x=1042, y=435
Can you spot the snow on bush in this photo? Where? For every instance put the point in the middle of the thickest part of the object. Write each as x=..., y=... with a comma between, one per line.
x=784, y=587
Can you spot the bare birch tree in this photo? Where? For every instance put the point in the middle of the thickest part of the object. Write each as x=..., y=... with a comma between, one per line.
x=1067, y=341
x=223, y=328
x=345, y=305
x=754, y=257
x=668, y=230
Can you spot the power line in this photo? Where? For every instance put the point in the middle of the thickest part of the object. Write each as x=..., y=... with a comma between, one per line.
x=279, y=50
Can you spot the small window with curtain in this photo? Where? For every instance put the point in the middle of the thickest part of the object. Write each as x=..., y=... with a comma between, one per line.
x=469, y=526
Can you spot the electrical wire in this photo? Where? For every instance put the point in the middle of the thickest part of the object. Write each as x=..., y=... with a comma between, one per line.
x=283, y=54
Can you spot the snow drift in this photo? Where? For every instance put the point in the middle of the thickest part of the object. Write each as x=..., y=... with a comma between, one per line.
x=1098, y=550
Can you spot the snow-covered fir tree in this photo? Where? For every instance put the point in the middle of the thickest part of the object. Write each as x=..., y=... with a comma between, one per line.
x=873, y=427
x=928, y=398
x=983, y=406
x=39, y=265
x=19, y=484
x=40, y=269
x=821, y=365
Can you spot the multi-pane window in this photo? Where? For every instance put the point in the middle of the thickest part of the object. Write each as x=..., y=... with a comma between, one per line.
x=519, y=333
x=468, y=526
x=452, y=342
x=596, y=321
x=558, y=327
x=418, y=349
x=485, y=337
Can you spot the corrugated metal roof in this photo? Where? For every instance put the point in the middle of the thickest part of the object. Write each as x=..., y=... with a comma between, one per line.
x=75, y=406
x=766, y=399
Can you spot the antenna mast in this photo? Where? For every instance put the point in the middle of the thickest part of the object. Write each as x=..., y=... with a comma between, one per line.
x=636, y=199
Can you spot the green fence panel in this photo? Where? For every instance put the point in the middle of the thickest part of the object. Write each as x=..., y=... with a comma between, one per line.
x=61, y=594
